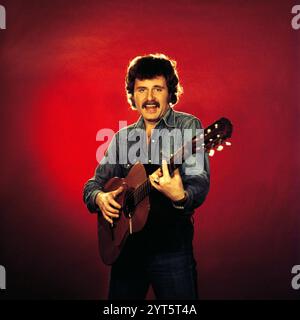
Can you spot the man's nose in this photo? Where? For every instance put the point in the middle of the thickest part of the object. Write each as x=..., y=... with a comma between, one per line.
x=150, y=95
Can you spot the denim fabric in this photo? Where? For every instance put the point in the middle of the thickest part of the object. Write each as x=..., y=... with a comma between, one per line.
x=196, y=184
x=172, y=275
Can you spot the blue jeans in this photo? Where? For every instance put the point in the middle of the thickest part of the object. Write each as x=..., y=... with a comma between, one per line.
x=173, y=276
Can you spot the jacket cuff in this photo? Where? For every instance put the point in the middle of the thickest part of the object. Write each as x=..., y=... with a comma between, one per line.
x=93, y=200
x=181, y=203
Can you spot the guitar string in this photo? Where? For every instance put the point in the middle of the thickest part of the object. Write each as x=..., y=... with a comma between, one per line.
x=143, y=189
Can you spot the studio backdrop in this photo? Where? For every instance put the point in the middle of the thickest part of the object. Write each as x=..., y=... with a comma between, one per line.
x=62, y=79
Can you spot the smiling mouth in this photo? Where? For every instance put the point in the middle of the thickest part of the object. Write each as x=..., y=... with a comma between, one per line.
x=151, y=108
x=150, y=104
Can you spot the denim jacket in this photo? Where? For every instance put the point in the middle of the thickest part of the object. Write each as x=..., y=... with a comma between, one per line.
x=196, y=184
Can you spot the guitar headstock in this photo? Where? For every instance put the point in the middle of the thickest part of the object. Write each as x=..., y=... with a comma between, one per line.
x=215, y=136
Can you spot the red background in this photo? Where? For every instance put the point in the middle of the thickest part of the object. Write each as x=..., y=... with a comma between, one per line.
x=63, y=65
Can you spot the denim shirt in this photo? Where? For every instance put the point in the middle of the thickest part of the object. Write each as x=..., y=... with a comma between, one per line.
x=196, y=184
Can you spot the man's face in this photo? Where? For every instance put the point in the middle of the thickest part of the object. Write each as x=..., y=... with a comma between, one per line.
x=151, y=98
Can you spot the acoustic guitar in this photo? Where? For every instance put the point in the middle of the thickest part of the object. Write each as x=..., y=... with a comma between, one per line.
x=134, y=199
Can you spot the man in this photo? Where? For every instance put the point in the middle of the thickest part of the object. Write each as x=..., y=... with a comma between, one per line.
x=161, y=254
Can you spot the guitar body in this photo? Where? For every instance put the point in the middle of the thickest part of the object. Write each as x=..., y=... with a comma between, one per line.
x=112, y=239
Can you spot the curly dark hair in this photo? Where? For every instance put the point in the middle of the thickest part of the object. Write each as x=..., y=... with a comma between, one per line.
x=149, y=67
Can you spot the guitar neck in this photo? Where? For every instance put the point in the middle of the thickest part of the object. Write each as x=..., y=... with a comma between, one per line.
x=213, y=136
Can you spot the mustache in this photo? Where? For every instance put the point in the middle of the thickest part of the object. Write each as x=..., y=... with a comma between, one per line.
x=155, y=103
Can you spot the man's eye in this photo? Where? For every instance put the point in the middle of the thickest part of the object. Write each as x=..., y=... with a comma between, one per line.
x=159, y=89
x=141, y=90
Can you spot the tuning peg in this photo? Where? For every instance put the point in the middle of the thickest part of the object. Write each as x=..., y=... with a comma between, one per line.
x=220, y=148
x=228, y=143
x=211, y=152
